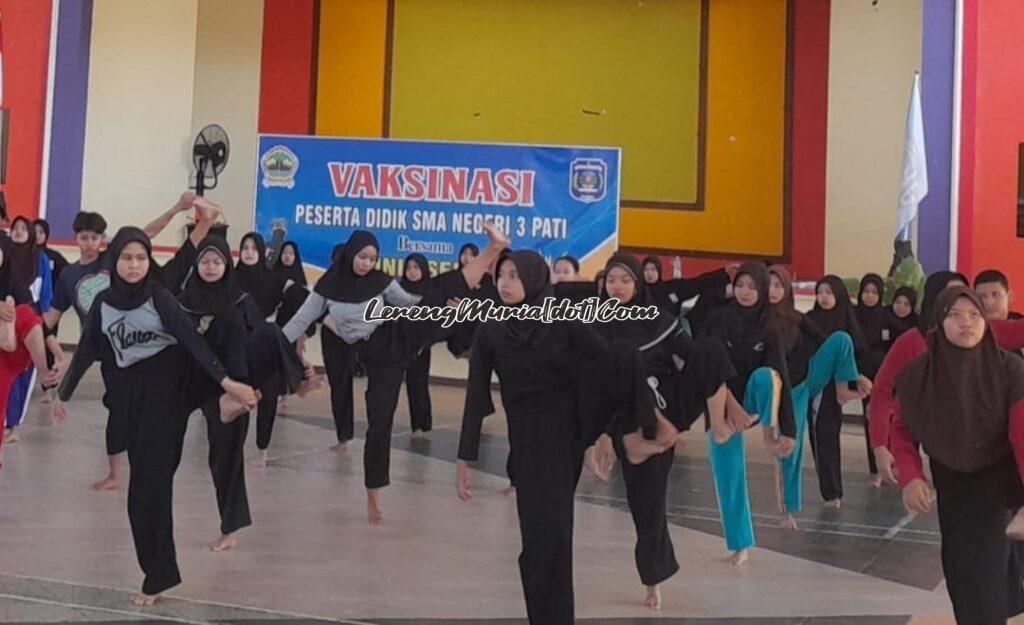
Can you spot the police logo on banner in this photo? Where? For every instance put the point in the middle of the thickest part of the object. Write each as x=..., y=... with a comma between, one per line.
x=279, y=165
x=588, y=179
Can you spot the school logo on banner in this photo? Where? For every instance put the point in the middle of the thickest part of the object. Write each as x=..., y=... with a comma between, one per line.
x=588, y=179
x=279, y=165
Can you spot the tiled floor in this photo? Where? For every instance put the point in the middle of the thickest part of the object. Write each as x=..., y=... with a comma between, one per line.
x=66, y=552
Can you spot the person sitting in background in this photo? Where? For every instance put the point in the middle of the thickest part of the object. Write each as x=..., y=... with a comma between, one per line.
x=993, y=288
x=565, y=269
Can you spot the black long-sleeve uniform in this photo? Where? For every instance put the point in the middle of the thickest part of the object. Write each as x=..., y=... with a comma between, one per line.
x=539, y=391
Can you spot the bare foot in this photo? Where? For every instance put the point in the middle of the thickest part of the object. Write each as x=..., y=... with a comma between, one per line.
x=876, y=481
x=834, y=503
x=1015, y=530
x=261, y=461
x=109, y=483
x=313, y=383
x=418, y=435
x=653, y=599
x=844, y=394
x=638, y=448
x=373, y=513
x=225, y=542
x=509, y=491
x=788, y=522
x=739, y=558
x=144, y=600
x=11, y=436
x=340, y=448
x=666, y=433
x=46, y=398
x=231, y=408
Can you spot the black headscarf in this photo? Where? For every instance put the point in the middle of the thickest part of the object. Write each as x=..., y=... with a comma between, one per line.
x=121, y=294
x=873, y=320
x=206, y=298
x=296, y=273
x=653, y=260
x=841, y=317
x=20, y=294
x=785, y=318
x=639, y=331
x=901, y=325
x=341, y=284
x=421, y=286
x=536, y=279
x=933, y=287
x=468, y=246
x=45, y=225
x=265, y=286
x=252, y=277
x=24, y=256
x=956, y=401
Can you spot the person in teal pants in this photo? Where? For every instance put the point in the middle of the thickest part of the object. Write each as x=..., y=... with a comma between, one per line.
x=815, y=361
x=745, y=327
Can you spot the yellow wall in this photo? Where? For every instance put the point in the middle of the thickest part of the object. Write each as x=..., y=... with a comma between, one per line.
x=873, y=55
x=227, y=89
x=745, y=141
x=532, y=72
x=350, y=68
x=139, y=117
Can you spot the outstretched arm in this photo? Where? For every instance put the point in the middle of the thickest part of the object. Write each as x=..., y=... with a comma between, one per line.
x=157, y=226
x=475, y=269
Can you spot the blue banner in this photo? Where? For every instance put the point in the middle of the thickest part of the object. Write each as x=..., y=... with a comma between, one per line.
x=432, y=197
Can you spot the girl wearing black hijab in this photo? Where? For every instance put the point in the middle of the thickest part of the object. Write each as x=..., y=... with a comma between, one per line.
x=962, y=402
x=815, y=361
x=386, y=349
x=30, y=270
x=832, y=312
x=762, y=381
x=416, y=280
x=57, y=265
x=289, y=263
x=265, y=286
x=148, y=347
x=902, y=312
x=681, y=397
x=537, y=365
x=876, y=324
x=253, y=350
x=460, y=338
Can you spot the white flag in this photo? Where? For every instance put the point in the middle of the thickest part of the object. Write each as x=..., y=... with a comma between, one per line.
x=914, y=185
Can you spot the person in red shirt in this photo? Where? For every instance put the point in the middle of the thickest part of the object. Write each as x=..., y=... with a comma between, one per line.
x=963, y=402
x=21, y=333
x=1008, y=334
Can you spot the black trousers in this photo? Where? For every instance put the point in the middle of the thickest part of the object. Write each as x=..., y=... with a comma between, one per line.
x=266, y=414
x=417, y=388
x=547, y=466
x=824, y=433
x=384, y=381
x=339, y=361
x=981, y=564
x=646, y=492
x=156, y=416
x=227, y=467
